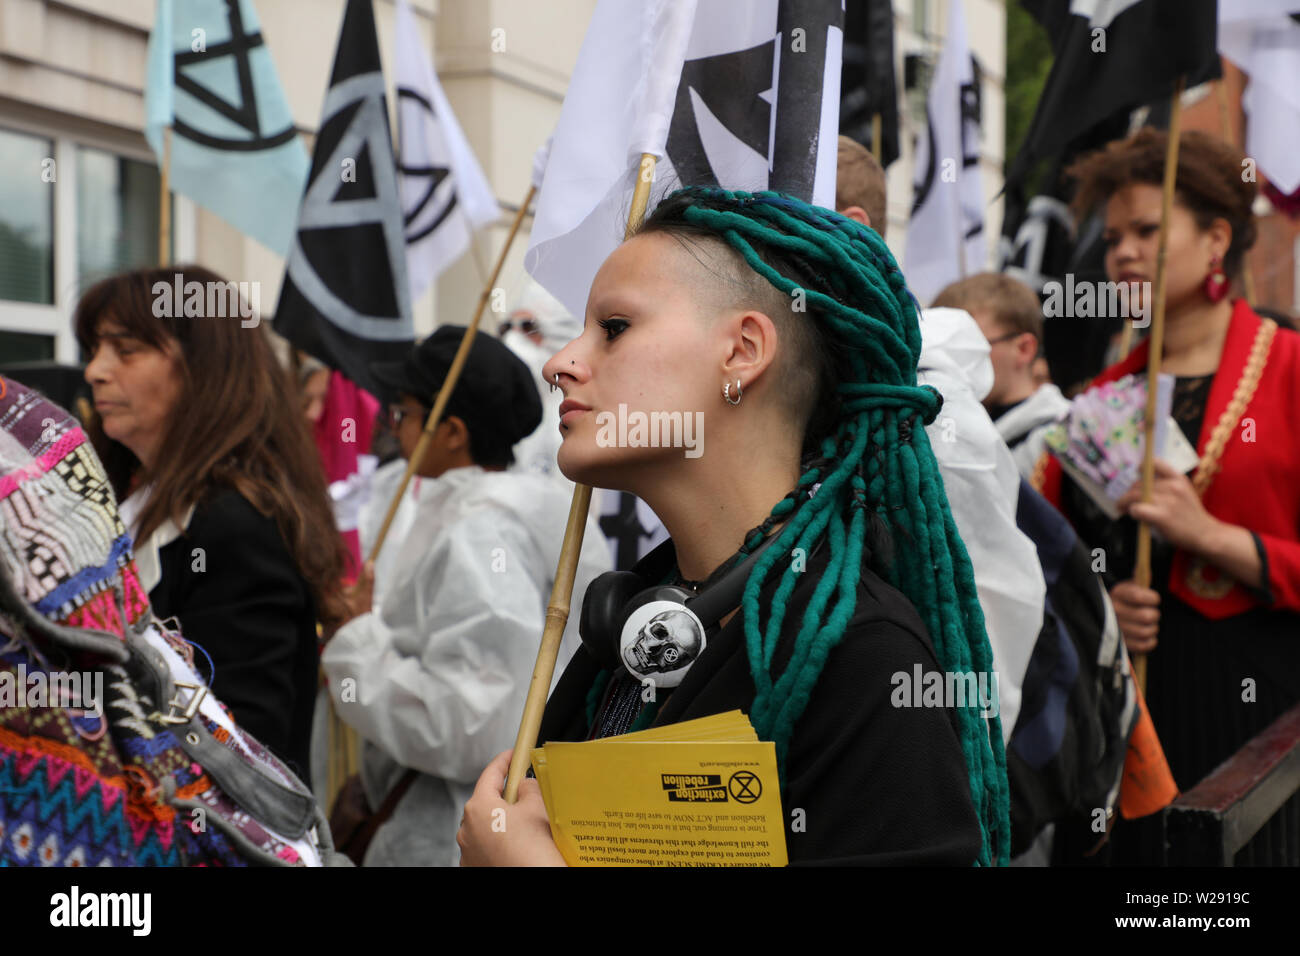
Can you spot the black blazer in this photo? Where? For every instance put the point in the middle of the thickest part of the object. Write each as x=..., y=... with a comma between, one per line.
x=878, y=784
x=231, y=582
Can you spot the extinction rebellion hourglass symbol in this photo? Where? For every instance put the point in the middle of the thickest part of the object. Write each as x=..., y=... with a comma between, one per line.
x=423, y=219
x=243, y=114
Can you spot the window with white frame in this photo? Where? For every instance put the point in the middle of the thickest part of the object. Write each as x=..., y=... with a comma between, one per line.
x=117, y=214
x=921, y=17
x=26, y=219
x=72, y=211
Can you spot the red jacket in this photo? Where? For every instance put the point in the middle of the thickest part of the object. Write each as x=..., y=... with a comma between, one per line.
x=1257, y=485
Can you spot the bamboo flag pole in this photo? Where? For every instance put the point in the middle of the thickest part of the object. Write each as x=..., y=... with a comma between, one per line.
x=335, y=771
x=1142, y=569
x=164, y=201
x=453, y=375
x=477, y=255
x=344, y=753
x=557, y=611
x=1126, y=340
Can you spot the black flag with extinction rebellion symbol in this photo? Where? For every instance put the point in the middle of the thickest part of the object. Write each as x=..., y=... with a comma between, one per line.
x=345, y=297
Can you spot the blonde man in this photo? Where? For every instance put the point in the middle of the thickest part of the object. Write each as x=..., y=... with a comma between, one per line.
x=860, y=186
x=1008, y=313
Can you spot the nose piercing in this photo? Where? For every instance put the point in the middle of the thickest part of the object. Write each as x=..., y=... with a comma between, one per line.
x=556, y=383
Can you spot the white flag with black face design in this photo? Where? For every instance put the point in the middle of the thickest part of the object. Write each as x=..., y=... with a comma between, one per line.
x=738, y=95
x=445, y=196
x=945, y=236
x=345, y=297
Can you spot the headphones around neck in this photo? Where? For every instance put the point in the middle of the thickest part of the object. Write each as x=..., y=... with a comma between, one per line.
x=657, y=633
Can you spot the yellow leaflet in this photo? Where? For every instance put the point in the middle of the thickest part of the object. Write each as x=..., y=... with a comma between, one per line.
x=734, y=725
x=617, y=802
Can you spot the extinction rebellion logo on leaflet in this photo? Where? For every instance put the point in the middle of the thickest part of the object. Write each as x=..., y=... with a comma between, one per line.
x=743, y=786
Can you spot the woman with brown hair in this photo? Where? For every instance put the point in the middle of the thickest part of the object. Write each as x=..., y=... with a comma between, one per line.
x=200, y=431
x=1222, y=615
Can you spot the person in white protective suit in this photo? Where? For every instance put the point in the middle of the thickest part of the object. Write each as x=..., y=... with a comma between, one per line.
x=537, y=327
x=983, y=487
x=978, y=470
x=439, y=670
x=1008, y=313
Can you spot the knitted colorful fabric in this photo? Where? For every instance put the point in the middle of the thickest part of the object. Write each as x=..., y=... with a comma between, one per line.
x=80, y=784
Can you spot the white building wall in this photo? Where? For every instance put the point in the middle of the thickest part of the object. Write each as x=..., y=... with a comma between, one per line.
x=73, y=70
x=921, y=26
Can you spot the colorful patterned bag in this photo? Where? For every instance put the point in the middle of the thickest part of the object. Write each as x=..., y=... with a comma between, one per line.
x=112, y=751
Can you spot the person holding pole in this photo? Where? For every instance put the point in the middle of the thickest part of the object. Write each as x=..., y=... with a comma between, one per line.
x=434, y=678
x=790, y=331
x=1220, y=617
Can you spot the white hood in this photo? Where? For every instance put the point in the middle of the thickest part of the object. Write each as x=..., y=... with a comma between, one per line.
x=953, y=345
x=441, y=667
x=559, y=327
x=983, y=488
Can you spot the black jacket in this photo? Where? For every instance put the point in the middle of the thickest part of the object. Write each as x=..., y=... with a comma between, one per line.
x=242, y=599
x=878, y=784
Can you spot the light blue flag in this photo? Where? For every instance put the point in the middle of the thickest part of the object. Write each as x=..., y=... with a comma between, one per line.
x=234, y=148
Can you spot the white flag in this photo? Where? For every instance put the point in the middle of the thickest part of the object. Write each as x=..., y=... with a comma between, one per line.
x=445, y=196
x=1263, y=38
x=540, y=158
x=945, y=237
x=736, y=95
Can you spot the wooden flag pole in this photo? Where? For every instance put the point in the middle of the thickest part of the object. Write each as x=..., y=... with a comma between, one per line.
x=876, y=149
x=1125, y=340
x=1142, y=568
x=557, y=611
x=453, y=376
x=164, y=201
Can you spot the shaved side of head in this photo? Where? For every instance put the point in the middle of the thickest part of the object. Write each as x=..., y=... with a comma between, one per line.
x=721, y=281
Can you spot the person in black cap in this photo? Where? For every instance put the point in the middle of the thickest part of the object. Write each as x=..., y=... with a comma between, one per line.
x=494, y=406
x=434, y=678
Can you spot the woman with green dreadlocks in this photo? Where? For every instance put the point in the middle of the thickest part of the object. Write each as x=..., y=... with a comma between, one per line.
x=788, y=332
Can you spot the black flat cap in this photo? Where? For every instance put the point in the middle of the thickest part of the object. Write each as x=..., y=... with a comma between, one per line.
x=495, y=391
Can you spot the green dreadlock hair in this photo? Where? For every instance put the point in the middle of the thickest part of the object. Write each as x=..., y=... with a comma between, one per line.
x=871, y=457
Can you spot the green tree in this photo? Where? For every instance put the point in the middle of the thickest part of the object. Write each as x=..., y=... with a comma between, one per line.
x=1029, y=60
